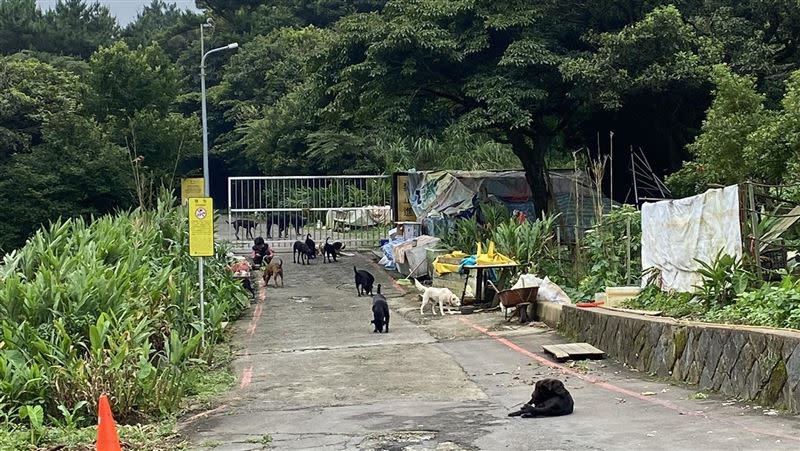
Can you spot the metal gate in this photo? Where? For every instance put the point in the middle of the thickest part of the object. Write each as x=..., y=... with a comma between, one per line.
x=354, y=210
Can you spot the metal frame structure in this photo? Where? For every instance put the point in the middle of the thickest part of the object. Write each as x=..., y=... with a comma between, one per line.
x=355, y=210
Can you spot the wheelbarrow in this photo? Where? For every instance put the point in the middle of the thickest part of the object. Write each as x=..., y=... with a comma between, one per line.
x=517, y=297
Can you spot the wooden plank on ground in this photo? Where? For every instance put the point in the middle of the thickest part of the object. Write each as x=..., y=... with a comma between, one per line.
x=557, y=352
x=574, y=351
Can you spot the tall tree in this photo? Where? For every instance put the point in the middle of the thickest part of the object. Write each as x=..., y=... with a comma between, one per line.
x=741, y=138
x=77, y=28
x=21, y=25
x=133, y=92
x=55, y=160
x=266, y=87
x=153, y=23
x=512, y=69
x=126, y=80
x=31, y=93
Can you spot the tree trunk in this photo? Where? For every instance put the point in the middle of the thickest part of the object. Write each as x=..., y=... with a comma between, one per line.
x=532, y=159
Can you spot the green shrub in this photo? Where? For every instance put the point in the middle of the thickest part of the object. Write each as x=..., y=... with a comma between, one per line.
x=110, y=307
x=723, y=279
x=677, y=305
x=770, y=305
x=340, y=193
x=465, y=233
x=605, y=248
x=532, y=244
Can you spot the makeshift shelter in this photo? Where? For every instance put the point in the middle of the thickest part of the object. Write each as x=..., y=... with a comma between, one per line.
x=438, y=195
x=452, y=192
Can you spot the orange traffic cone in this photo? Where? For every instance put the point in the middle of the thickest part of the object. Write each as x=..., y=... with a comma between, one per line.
x=107, y=438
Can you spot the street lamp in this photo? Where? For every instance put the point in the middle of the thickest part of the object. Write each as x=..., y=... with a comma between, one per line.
x=206, y=189
x=203, y=102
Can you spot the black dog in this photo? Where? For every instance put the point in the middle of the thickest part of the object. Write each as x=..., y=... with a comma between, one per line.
x=285, y=221
x=364, y=281
x=249, y=287
x=328, y=251
x=311, y=245
x=549, y=399
x=247, y=224
x=300, y=248
x=380, y=312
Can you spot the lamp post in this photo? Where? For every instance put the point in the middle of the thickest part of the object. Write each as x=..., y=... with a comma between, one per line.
x=203, y=103
x=206, y=189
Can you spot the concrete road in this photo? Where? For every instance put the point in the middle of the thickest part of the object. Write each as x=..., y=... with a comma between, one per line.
x=312, y=375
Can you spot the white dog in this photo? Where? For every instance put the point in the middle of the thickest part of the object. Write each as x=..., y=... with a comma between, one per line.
x=443, y=295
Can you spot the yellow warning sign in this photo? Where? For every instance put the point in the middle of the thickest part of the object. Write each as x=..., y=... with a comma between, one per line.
x=201, y=227
x=193, y=187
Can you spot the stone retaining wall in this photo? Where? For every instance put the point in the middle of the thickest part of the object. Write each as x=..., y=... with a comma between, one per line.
x=752, y=364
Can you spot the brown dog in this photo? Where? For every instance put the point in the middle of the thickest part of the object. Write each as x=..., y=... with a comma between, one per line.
x=274, y=270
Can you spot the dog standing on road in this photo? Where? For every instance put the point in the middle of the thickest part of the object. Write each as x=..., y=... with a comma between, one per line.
x=380, y=312
x=285, y=222
x=431, y=294
x=274, y=271
x=549, y=399
x=328, y=251
x=300, y=248
x=247, y=224
x=364, y=281
x=311, y=245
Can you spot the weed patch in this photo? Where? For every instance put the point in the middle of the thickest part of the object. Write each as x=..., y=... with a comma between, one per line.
x=110, y=306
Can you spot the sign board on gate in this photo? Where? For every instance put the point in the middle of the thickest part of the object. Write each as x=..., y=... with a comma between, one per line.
x=201, y=227
x=400, y=203
x=191, y=187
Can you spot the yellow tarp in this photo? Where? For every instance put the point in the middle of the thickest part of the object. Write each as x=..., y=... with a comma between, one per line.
x=489, y=258
x=444, y=268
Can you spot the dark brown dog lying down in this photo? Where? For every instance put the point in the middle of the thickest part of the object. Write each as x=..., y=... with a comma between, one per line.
x=549, y=399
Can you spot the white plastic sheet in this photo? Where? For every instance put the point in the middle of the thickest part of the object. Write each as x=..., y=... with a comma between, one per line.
x=676, y=232
x=361, y=217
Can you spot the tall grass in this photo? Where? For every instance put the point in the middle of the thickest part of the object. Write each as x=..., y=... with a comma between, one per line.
x=106, y=306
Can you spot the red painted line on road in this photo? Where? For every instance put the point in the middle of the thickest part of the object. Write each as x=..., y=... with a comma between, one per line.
x=247, y=373
x=611, y=387
x=247, y=377
x=262, y=296
x=254, y=321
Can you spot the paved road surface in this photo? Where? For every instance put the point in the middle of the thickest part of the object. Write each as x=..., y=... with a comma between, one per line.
x=312, y=375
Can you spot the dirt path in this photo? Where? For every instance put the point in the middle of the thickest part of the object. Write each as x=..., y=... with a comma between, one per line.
x=312, y=375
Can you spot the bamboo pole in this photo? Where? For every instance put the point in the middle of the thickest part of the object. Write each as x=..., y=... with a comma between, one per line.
x=754, y=228
x=628, y=250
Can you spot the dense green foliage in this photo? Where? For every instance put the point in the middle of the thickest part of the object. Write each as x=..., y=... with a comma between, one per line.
x=612, y=250
x=107, y=307
x=742, y=138
x=82, y=138
x=532, y=244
